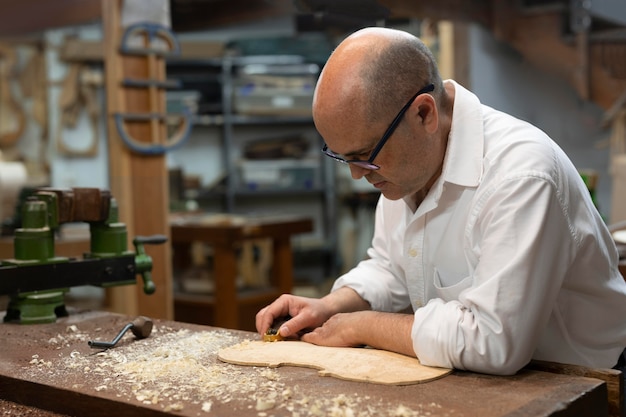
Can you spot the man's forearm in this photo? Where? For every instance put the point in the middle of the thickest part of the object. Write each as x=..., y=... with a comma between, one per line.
x=361, y=326
x=345, y=300
x=387, y=331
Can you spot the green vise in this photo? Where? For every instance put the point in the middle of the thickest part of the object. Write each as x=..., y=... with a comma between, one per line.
x=36, y=280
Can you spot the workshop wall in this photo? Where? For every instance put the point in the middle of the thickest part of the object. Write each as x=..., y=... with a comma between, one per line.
x=498, y=74
x=78, y=150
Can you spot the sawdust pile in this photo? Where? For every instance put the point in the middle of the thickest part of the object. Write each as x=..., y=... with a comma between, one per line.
x=178, y=370
x=10, y=409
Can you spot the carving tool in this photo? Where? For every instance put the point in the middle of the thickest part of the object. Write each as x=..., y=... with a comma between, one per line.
x=141, y=328
x=273, y=333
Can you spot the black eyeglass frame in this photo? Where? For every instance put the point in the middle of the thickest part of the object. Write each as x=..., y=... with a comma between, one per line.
x=369, y=163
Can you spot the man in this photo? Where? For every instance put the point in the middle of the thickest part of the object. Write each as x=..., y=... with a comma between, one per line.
x=484, y=232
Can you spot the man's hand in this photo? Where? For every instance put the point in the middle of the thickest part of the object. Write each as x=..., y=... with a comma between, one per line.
x=342, y=318
x=308, y=313
x=387, y=331
x=341, y=330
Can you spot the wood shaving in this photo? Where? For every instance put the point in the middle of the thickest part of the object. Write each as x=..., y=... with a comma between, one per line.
x=177, y=370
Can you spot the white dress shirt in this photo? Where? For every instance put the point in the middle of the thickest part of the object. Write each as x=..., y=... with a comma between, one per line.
x=504, y=261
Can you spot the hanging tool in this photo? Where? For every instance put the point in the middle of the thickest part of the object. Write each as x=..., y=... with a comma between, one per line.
x=155, y=36
x=141, y=328
x=175, y=141
x=79, y=92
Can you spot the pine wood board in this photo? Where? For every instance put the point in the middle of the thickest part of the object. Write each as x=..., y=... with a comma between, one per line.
x=352, y=364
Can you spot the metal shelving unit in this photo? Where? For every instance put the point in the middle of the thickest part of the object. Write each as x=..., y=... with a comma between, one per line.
x=232, y=195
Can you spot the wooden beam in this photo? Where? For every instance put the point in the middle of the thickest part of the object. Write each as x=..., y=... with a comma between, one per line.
x=539, y=39
x=138, y=181
x=461, y=53
x=478, y=11
x=82, y=50
x=119, y=299
x=195, y=15
x=18, y=18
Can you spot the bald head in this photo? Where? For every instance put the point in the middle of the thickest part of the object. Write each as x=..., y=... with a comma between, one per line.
x=374, y=71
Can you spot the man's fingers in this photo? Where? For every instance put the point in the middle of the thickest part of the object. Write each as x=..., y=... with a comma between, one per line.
x=261, y=321
x=311, y=337
x=292, y=326
x=266, y=316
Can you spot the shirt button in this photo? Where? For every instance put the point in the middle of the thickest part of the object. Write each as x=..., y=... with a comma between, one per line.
x=412, y=252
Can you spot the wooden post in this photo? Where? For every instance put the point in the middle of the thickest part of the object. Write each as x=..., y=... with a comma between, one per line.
x=138, y=182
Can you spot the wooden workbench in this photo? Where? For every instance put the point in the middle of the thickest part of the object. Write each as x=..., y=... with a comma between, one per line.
x=175, y=371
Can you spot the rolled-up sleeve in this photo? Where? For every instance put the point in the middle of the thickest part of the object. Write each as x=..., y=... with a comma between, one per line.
x=376, y=279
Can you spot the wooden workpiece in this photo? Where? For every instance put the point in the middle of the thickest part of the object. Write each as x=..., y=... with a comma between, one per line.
x=362, y=365
x=176, y=371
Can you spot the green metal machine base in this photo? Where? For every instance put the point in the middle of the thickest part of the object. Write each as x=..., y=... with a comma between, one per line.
x=44, y=307
x=34, y=298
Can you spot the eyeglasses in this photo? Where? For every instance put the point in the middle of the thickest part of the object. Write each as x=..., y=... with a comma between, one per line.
x=369, y=163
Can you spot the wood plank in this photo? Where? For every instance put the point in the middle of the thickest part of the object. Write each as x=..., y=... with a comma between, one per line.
x=119, y=299
x=479, y=11
x=198, y=15
x=461, y=54
x=613, y=378
x=138, y=182
x=74, y=49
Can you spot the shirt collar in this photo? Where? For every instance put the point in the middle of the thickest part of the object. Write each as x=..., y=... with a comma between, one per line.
x=463, y=162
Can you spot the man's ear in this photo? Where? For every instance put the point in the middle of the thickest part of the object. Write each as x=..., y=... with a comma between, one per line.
x=427, y=111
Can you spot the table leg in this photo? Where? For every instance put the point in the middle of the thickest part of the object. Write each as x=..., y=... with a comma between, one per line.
x=283, y=265
x=225, y=275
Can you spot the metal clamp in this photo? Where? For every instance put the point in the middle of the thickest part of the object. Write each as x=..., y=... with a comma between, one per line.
x=149, y=148
x=152, y=31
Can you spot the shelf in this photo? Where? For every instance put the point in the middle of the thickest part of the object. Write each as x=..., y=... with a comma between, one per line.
x=241, y=119
x=237, y=60
x=279, y=192
x=208, y=120
x=218, y=120
x=243, y=193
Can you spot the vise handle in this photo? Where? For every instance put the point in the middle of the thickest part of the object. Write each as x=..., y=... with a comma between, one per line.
x=143, y=262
